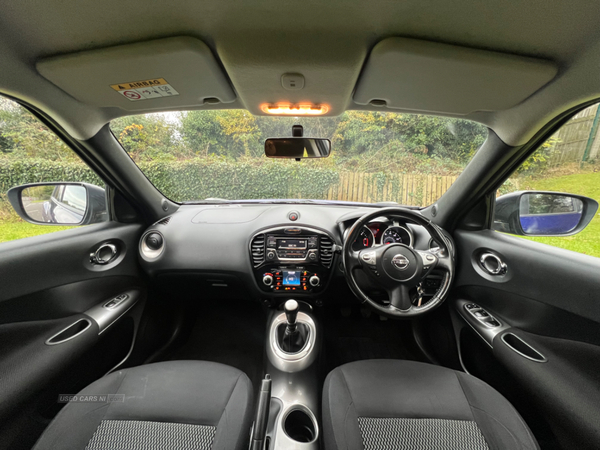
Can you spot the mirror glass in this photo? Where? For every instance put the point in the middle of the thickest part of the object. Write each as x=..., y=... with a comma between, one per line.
x=549, y=214
x=297, y=147
x=58, y=203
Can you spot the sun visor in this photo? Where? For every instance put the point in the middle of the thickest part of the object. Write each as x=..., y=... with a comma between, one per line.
x=418, y=75
x=162, y=74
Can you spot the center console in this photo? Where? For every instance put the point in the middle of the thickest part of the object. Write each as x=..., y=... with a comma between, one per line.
x=293, y=344
x=292, y=260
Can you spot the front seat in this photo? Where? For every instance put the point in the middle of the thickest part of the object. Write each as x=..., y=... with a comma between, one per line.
x=388, y=404
x=170, y=405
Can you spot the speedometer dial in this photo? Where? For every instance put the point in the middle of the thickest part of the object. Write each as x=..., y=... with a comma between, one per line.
x=396, y=235
x=364, y=240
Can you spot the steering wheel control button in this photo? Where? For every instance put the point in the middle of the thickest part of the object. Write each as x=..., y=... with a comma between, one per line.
x=369, y=258
x=293, y=216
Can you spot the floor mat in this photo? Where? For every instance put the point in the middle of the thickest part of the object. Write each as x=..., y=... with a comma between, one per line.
x=355, y=336
x=231, y=333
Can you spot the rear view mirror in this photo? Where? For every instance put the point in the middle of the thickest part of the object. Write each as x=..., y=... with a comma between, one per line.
x=533, y=213
x=59, y=203
x=297, y=147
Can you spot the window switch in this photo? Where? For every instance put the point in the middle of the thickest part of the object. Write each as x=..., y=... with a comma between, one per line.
x=111, y=304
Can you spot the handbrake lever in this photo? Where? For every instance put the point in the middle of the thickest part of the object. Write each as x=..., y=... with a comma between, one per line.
x=261, y=420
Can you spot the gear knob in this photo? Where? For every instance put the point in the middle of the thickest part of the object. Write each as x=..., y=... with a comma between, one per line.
x=291, y=308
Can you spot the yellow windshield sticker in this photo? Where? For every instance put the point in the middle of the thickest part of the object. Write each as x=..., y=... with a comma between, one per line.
x=145, y=89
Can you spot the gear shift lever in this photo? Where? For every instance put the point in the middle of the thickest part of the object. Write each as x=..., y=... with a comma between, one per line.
x=292, y=336
x=291, y=308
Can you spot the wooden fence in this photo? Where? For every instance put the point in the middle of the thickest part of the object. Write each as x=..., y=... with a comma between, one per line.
x=405, y=189
x=574, y=137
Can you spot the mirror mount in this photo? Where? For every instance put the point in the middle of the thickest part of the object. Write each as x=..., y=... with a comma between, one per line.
x=298, y=131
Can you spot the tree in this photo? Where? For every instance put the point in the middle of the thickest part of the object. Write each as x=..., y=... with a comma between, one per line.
x=202, y=133
x=240, y=127
x=22, y=135
x=148, y=137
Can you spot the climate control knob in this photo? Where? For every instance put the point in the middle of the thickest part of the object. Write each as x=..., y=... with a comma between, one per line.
x=314, y=281
x=268, y=280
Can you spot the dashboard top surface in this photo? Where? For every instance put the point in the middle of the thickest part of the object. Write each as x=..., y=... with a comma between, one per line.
x=216, y=238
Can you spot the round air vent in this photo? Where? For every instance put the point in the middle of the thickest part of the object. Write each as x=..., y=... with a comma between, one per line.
x=152, y=245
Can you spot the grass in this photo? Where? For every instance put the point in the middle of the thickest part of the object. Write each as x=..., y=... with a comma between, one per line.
x=11, y=229
x=587, y=184
x=587, y=242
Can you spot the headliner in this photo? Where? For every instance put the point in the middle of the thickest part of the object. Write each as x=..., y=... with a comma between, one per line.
x=256, y=41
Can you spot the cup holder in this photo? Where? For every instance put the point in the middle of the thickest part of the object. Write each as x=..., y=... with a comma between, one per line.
x=300, y=426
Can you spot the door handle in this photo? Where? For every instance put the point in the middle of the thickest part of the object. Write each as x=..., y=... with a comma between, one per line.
x=492, y=264
x=104, y=254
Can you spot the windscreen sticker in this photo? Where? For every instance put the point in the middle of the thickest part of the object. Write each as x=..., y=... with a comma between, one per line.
x=145, y=89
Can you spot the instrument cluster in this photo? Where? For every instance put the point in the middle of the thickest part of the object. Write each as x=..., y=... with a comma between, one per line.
x=383, y=233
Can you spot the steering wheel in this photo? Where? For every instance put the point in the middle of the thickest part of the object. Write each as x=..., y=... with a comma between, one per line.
x=397, y=268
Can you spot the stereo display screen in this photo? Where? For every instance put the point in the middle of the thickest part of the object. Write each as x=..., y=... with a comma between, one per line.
x=291, y=244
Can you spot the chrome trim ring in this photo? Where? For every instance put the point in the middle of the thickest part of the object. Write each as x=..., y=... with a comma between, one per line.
x=501, y=265
x=147, y=253
x=292, y=362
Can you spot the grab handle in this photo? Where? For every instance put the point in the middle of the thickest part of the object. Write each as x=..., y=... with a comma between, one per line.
x=518, y=345
x=71, y=332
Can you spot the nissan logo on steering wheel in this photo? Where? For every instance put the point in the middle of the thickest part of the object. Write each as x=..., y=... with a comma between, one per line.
x=400, y=262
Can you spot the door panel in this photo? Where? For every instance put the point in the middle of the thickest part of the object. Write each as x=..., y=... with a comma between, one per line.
x=48, y=284
x=549, y=298
x=41, y=262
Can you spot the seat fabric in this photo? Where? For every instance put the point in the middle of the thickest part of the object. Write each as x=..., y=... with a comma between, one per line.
x=179, y=404
x=388, y=404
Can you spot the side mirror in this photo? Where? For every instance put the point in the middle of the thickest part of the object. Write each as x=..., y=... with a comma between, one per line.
x=59, y=203
x=541, y=213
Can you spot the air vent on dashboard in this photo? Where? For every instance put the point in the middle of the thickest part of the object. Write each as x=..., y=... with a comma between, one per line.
x=326, y=251
x=164, y=221
x=257, y=248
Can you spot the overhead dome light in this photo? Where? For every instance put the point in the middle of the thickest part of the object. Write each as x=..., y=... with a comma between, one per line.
x=287, y=109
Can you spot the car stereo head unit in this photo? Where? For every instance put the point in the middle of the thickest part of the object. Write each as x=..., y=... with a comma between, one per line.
x=292, y=259
x=292, y=248
x=292, y=244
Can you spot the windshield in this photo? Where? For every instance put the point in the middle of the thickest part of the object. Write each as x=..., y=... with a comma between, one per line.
x=376, y=157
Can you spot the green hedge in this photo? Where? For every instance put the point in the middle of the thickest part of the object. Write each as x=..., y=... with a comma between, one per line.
x=191, y=179
x=22, y=171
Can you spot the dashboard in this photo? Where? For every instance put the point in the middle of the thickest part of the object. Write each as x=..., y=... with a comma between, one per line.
x=265, y=250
